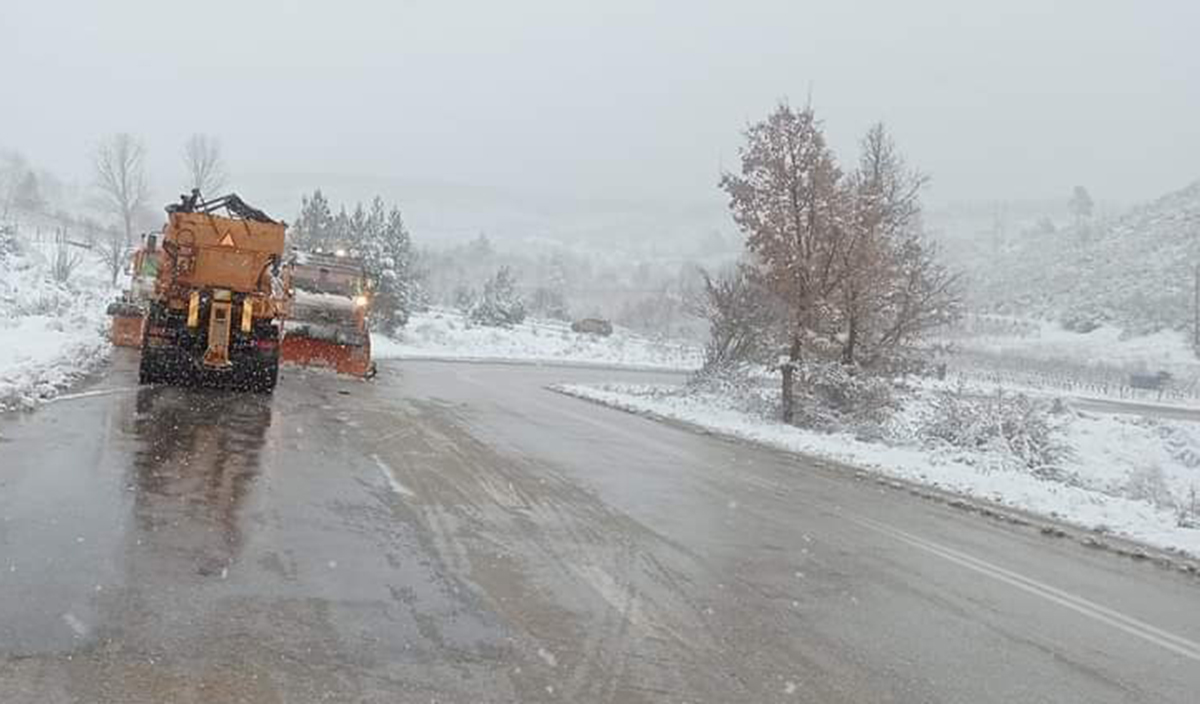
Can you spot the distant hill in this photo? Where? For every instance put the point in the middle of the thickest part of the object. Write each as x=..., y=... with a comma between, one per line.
x=446, y=214
x=1134, y=271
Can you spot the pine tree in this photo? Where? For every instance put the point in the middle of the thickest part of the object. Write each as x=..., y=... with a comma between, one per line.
x=550, y=299
x=357, y=231
x=339, y=233
x=374, y=232
x=388, y=257
x=314, y=225
x=500, y=305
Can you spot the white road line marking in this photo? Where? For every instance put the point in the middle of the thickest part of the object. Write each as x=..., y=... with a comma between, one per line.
x=89, y=394
x=386, y=471
x=1132, y=626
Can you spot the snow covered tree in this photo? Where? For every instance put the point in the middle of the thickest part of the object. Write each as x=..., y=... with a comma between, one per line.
x=463, y=298
x=314, y=226
x=390, y=264
x=339, y=233
x=204, y=165
x=788, y=200
x=744, y=319
x=500, y=305
x=844, y=254
x=1081, y=207
x=8, y=241
x=893, y=286
x=356, y=235
x=376, y=222
x=550, y=299
x=549, y=302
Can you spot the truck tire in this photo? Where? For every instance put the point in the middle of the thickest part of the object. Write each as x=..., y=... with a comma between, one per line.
x=149, y=369
x=266, y=378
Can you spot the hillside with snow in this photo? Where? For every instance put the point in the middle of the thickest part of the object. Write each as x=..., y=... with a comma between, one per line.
x=1135, y=272
x=53, y=329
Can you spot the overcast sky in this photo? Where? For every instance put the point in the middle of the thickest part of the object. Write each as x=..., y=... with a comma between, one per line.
x=613, y=99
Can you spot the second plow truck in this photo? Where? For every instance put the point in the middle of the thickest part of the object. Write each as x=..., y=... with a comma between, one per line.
x=329, y=296
x=216, y=310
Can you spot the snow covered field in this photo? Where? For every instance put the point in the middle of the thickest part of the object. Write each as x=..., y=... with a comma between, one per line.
x=1041, y=358
x=1105, y=345
x=446, y=334
x=51, y=333
x=1135, y=477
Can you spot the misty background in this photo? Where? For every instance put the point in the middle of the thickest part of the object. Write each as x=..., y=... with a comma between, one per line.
x=604, y=127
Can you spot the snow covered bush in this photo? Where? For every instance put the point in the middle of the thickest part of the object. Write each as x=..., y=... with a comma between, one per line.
x=64, y=260
x=1015, y=425
x=1149, y=483
x=744, y=319
x=740, y=385
x=1187, y=514
x=833, y=396
x=500, y=305
x=1083, y=320
x=8, y=241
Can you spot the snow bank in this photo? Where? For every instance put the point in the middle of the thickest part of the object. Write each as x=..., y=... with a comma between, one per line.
x=50, y=333
x=1128, y=476
x=443, y=334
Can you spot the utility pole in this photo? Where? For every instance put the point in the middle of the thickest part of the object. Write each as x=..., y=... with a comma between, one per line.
x=1196, y=312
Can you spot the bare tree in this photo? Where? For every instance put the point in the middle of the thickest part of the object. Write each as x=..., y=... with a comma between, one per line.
x=65, y=259
x=205, y=167
x=114, y=249
x=121, y=181
x=743, y=318
x=888, y=265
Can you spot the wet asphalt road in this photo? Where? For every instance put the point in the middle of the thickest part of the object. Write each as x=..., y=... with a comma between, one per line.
x=456, y=533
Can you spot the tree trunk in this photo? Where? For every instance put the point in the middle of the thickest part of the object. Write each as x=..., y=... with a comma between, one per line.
x=789, y=371
x=851, y=340
x=788, y=401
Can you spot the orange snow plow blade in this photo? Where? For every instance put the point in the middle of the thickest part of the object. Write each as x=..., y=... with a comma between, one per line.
x=127, y=323
x=354, y=360
x=127, y=331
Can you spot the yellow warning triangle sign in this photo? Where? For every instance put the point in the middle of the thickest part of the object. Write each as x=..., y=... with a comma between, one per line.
x=227, y=240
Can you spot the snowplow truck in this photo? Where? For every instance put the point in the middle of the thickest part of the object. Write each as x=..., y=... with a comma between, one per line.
x=128, y=312
x=216, y=310
x=329, y=297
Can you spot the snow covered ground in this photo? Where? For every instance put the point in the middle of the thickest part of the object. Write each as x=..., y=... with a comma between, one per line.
x=1135, y=477
x=1040, y=357
x=1106, y=345
x=51, y=333
x=446, y=334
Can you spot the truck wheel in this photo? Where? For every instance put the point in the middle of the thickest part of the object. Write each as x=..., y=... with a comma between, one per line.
x=149, y=370
x=267, y=378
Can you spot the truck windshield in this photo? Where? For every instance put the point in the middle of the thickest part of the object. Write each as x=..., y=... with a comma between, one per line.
x=320, y=279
